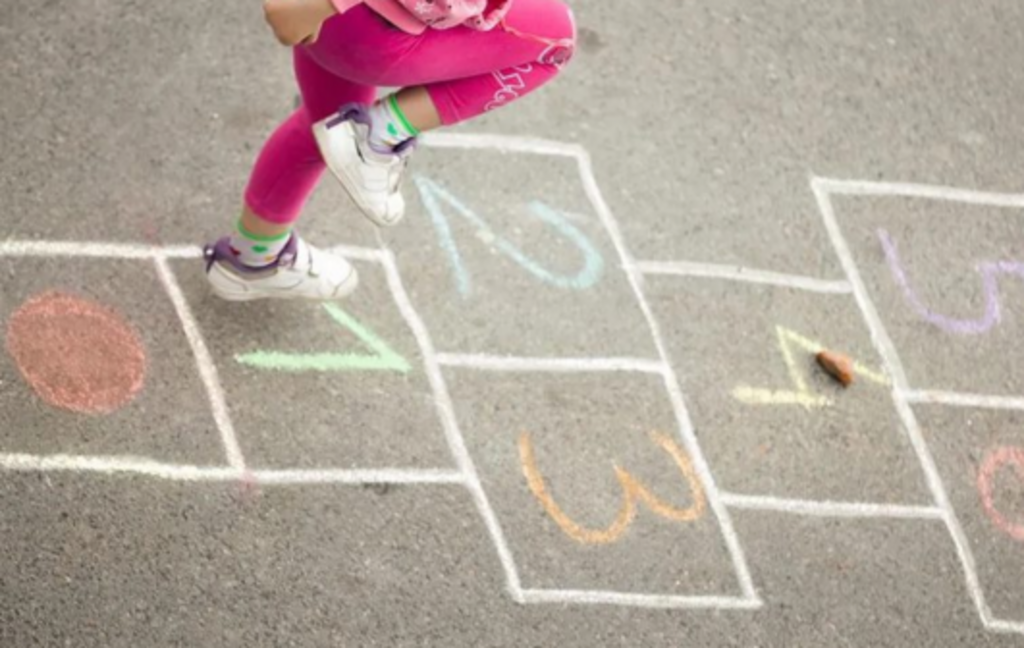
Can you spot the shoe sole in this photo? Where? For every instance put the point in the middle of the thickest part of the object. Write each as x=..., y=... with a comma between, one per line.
x=322, y=136
x=344, y=290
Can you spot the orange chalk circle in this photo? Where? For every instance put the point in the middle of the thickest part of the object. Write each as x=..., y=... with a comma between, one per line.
x=632, y=491
x=76, y=354
x=994, y=462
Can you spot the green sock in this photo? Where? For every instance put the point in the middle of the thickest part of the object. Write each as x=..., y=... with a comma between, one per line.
x=256, y=250
x=389, y=126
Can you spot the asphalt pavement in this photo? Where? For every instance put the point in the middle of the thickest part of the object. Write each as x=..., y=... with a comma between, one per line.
x=574, y=401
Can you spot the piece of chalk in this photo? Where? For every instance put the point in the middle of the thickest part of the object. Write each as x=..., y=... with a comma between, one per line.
x=836, y=365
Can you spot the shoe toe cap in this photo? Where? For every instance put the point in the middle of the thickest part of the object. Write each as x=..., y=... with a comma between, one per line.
x=341, y=276
x=395, y=208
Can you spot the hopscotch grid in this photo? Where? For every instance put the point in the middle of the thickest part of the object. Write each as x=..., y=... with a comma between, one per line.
x=743, y=274
x=204, y=362
x=823, y=189
x=456, y=442
x=449, y=423
x=236, y=469
x=671, y=380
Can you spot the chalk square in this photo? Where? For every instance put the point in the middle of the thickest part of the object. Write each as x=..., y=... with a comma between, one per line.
x=168, y=420
x=114, y=562
x=581, y=438
x=944, y=271
x=768, y=428
x=505, y=253
x=979, y=454
x=870, y=581
x=309, y=385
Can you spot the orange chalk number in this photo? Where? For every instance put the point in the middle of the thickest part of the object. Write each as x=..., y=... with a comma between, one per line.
x=633, y=491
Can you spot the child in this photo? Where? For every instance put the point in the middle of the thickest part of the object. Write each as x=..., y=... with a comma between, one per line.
x=455, y=59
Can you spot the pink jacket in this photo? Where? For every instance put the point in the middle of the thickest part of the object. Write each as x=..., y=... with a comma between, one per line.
x=414, y=16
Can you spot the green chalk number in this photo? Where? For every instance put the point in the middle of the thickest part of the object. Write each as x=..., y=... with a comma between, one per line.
x=382, y=358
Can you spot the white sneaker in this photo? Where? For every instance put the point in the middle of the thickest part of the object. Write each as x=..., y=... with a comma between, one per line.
x=372, y=178
x=300, y=272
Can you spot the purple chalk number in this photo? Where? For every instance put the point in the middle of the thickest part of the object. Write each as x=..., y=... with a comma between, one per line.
x=990, y=272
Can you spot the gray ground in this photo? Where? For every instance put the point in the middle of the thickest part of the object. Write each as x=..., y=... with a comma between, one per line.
x=137, y=122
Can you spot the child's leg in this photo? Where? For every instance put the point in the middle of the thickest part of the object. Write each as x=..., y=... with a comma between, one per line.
x=283, y=176
x=264, y=258
x=290, y=165
x=449, y=75
x=546, y=35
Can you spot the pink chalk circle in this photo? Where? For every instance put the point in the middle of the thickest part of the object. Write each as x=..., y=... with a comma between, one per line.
x=994, y=462
x=76, y=354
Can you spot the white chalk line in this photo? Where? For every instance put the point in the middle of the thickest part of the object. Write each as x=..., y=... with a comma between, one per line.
x=675, y=393
x=304, y=476
x=117, y=465
x=359, y=253
x=205, y=364
x=960, y=399
x=912, y=190
x=1000, y=625
x=102, y=250
x=742, y=274
x=666, y=601
x=552, y=365
x=887, y=350
x=98, y=250
x=757, y=396
x=449, y=423
x=831, y=509
x=127, y=465
x=503, y=143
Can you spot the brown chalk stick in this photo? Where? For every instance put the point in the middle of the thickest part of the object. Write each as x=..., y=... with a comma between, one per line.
x=836, y=365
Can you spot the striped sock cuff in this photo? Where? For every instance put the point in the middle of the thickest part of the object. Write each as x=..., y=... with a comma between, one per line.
x=259, y=238
x=396, y=110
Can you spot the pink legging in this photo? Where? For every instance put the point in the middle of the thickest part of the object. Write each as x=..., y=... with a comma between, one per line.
x=466, y=72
